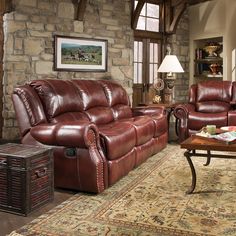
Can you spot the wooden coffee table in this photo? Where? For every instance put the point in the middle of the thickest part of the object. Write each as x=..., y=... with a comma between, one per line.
x=194, y=143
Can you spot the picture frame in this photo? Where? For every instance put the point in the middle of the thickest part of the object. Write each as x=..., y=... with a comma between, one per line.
x=80, y=54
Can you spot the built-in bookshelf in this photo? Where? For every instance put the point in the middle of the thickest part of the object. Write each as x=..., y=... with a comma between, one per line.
x=208, y=62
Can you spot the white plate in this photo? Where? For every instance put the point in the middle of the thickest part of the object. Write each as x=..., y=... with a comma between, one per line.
x=228, y=128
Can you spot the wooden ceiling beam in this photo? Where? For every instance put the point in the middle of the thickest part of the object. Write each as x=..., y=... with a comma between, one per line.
x=175, y=3
x=193, y=2
x=173, y=12
x=80, y=5
x=136, y=13
x=178, y=11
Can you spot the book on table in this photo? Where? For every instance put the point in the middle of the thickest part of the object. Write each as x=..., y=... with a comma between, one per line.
x=227, y=137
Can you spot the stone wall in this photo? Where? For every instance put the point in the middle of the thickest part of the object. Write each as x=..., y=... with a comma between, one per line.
x=29, y=44
x=179, y=43
x=1, y=66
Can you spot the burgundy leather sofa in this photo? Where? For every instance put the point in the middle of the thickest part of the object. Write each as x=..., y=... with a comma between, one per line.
x=96, y=136
x=210, y=102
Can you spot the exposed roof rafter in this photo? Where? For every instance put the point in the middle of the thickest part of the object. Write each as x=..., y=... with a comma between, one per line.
x=80, y=6
x=136, y=13
x=173, y=11
x=193, y=2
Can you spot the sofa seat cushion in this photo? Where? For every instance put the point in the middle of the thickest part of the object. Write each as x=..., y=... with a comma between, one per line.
x=69, y=116
x=99, y=115
x=161, y=125
x=144, y=128
x=197, y=120
x=212, y=106
x=117, y=138
x=121, y=167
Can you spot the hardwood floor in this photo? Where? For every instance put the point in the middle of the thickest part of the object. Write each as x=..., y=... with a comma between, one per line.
x=10, y=222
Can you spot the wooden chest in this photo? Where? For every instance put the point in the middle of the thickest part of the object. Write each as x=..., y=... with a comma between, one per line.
x=26, y=177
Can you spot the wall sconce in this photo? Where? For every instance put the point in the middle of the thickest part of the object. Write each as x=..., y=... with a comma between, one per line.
x=170, y=65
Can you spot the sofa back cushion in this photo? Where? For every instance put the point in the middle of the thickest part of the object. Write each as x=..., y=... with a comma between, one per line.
x=213, y=96
x=95, y=102
x=91, y=93
x=233, y=100
x=117, y=98
x=57, y=96
x=214, y=91
x=193, y=94
x=100, y=101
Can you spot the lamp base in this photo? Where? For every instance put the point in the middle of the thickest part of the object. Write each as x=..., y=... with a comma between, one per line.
x=168, y=98
x=168, y=91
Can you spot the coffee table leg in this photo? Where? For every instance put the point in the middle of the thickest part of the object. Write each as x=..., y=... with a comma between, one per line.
x=208, y=158
x=187, y=154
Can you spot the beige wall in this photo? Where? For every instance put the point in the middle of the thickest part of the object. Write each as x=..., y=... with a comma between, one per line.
x=215, y=18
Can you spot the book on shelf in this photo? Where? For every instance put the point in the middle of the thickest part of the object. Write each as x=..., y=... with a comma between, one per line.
x=198, y=53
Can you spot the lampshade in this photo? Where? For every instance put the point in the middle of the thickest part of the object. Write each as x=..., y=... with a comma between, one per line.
x=170, y=64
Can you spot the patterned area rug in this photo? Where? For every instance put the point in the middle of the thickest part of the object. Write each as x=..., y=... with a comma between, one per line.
x=151, y=200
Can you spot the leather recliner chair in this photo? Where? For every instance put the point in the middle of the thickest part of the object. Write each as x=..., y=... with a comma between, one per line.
x=96, y=136
x=210, y=103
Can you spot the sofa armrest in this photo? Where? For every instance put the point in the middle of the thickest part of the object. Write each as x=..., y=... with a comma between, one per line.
x=182, y=110
x=181, y=113
x=69, y=134
x=148, y=110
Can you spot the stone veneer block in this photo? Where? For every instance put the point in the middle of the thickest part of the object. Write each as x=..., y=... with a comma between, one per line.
x=21, y=66
x=21, y=17
x=14, y=58
x=18, y=43
x=40, y=34
x=33, y=46
x=50, y=27
x=30, y=3
x=66, y=10
x=14, y=26
x=44, y=67
x=35, y=26
x=120, y=62
x=46, y=6
x=78, y=26
x=8, y=47
x=109, y=21
x=116, y=72
x=127, y=71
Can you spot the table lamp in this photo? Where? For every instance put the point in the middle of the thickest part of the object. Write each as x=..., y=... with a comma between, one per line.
x=170, y=65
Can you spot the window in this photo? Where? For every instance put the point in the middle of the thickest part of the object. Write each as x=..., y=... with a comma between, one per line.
x=147, y=49
x=149, y=17
x=138, y=62
x=149, y=61
x=153, y=61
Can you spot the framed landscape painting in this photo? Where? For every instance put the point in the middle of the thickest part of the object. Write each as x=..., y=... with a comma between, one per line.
x=80, y=54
